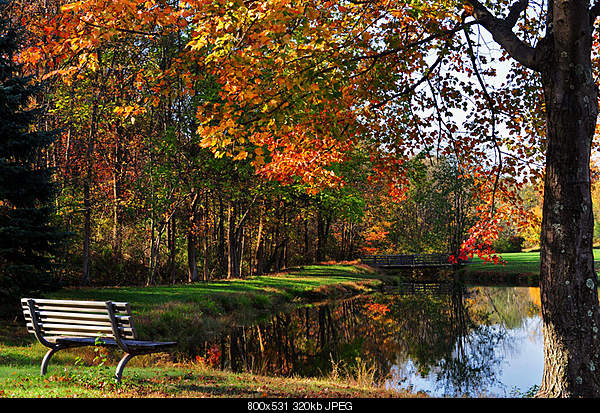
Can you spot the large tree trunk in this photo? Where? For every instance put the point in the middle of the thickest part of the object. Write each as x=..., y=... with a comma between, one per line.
x=567, y=278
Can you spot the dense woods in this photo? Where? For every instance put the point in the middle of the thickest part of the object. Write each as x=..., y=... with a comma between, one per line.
x=145, y=202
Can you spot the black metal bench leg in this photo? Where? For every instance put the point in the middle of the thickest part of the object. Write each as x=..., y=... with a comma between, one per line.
x=121, y=366
x=46, y=359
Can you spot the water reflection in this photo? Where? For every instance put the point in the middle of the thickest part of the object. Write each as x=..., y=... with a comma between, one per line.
x=445, y=339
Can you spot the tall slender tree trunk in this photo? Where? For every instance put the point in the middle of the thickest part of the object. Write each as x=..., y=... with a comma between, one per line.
x=320, y=237
x=221, y=256
x=116, y=187
x=153, y=251
x=87, y=233
x=191, y=256
x=306, y=256
x=233, y=243
x=192, y=238
x=258, y=252
x=172, y=247
x=568, y=282
x=205, y=239
x=87, y=202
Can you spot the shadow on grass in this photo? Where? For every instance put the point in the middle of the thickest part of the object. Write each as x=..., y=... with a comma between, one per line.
x=19, y=360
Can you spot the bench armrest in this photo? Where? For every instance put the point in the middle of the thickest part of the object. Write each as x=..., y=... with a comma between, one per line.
x=36, y=328
x=115, y=327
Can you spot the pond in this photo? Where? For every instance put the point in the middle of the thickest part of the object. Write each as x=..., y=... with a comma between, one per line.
x=447, y=340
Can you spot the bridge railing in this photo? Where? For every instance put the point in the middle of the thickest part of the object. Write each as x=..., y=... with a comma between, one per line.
x=407, y=260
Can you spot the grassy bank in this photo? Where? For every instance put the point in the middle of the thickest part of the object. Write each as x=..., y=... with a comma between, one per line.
x=514, y=263
x=174, y=380
x=524, y=266
x=188, y=314
x=193, y=313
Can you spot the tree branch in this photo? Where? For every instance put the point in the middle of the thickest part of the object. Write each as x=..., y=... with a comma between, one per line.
x=492, y=107
x=411, y=88
x=501, y=31
x=425, y=40
x=515, y=12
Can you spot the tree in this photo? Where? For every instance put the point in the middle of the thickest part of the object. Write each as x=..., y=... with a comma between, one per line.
x=568, y=282
x=562, y=59
x=27, y=237
x=436, y=213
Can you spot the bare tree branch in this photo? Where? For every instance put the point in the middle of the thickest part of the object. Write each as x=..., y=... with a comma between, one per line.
x=411, y=88
x=492, y=107
x=501, y=31
x=442, y=34
x=515, y=12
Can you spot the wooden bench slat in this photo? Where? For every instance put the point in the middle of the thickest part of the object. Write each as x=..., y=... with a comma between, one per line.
x=77, y=330
x=77, y=303
x=122, y=319
x=46, y=326
x=75, y=334
x=80, y=334
x=74, y=309
x=89, y=310
x=70, y=305
x=53, y=320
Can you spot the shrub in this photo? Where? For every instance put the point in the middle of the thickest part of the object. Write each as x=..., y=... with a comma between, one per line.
x=509, y=244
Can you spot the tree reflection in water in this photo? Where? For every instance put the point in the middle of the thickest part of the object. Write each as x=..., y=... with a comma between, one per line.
x=452, y=337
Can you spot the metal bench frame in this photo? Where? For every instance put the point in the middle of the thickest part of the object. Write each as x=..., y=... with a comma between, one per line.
x=61, y=324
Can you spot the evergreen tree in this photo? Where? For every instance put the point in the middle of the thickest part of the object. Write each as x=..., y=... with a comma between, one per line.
x=27, y=238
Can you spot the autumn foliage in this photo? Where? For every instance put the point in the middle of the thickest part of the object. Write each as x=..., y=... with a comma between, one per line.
x=312, y=112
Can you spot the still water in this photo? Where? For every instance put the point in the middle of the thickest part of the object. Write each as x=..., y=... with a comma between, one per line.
x=447, y=340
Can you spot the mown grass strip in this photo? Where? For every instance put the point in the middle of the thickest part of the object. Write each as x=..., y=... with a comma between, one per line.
x=514, y=263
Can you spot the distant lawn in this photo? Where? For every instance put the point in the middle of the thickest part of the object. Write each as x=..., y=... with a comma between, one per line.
x=220, y=297
x=515, y=263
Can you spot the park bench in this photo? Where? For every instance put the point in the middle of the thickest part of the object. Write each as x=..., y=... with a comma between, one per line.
x=61, y=324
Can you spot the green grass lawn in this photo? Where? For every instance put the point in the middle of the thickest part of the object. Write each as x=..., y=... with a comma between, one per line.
x=190, y=313
x=514, y=263
x=173, y=381
x=187, y=314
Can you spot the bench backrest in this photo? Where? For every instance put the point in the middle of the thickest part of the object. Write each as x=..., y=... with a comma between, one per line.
x=78, y=318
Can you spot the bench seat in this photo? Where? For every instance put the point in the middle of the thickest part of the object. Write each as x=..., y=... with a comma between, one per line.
x=135, y=345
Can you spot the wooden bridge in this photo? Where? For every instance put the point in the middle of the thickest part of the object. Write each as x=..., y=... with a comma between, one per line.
x=408, y=261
